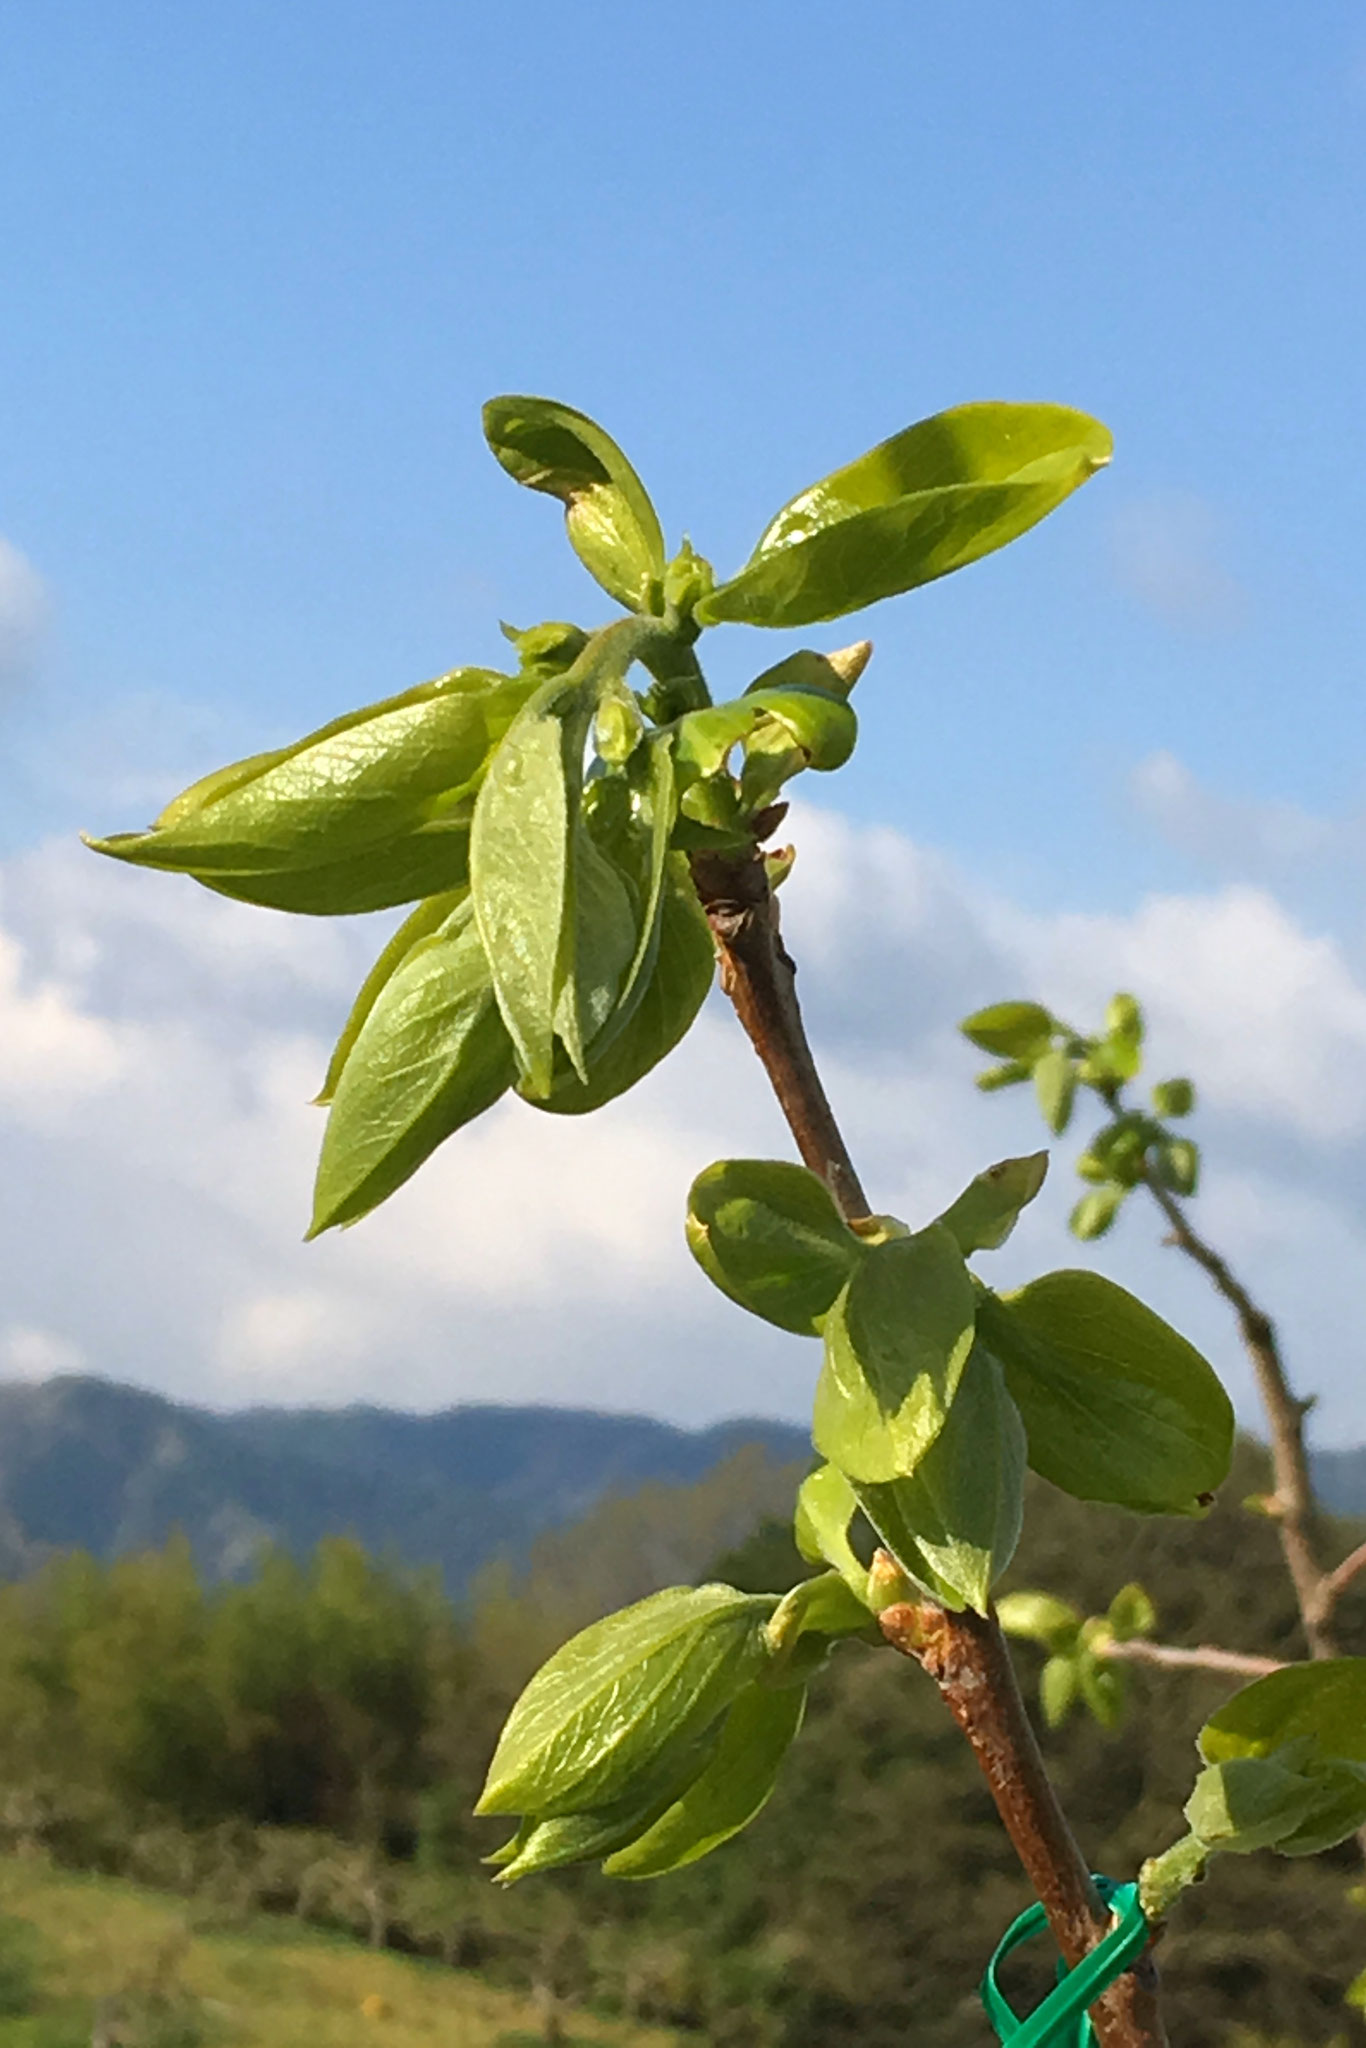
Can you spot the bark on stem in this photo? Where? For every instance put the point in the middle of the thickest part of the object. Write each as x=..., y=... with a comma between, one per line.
x=966, y=1654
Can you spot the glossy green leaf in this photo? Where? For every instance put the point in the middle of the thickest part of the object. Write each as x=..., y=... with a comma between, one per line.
x=821, y=725
x=989, y=1207
x=835, y=674
x=935, y=497
x=1326, y=1701
x=429, y=861
x=426, y=919
x=1095, y=1213
x=641, y=1686
x=613, y=528
x=674, y=991
x=1055, y=1086
x=826, y=1605
x=359, y=784
x=521, y=855
x=826, y=1505
x=552, y=1844
x=1117, y=1407
x=896, y=1342
x=1247, y=1803
x=431, y=1054
x=1174, y=1098
x=769, y=1235
x=955, y=1522
x=1012, y=1031
x=731, y=1792
x=598, y=944
x=1040, y=1618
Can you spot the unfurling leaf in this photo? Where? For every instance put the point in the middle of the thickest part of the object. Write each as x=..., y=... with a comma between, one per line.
x=420, y=924
x=732, y=1790
x=896, y=1343
x=369, y=811
x=622, y=1700
x=989, y=1207
x=1116, y=1405
x=1013, y=1031
x=613, y=527
x=955, y=1522
x=1059, y=1685
x=935, y=497
x=769, y=1235
x=430, y=1054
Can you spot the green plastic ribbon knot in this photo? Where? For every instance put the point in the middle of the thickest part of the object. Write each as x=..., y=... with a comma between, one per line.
x=1062, y=2020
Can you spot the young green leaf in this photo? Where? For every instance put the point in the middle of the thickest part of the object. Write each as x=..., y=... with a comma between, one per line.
x=613, y=528
x=989, y=1207
x=1040, y=1618
x=1012, y=1031
x=1174, y=1098
x=955, y=1522
x=1059, y=1686
x=353, y=788
x=1325, y=1701
x=521, y=865
x=896, y=1343
x=1117, y=1407
x=732, y=1790
x=623, y=1697
x=426, y=919
x=1094, y=1214
x=1247, y=1803
x=1103, y=1688
x=598, y=943
x=1055, y=1085
x=1007, y=1075
x=429, y=861
x=1131, y=1613
x=674, y=991
x=1176, y=1163
x=769, y=1235
x=935, y=497
x=430, y=1054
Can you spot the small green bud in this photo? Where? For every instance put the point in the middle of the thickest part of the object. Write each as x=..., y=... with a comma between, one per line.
x=1004, y=1076
x=549, y=649
x=1177, y=1165
x=618, y=727
x=688, y=578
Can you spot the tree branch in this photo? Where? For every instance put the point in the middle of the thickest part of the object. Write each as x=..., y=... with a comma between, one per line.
x=1170, y=1657
x=966, y=1654
x=1337, y=1581
x=1293, y=1501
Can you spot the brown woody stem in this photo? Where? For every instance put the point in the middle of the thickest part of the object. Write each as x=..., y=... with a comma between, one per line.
x=966, y=1654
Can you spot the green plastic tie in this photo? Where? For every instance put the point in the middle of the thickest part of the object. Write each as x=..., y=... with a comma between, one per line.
x=1062, y=2020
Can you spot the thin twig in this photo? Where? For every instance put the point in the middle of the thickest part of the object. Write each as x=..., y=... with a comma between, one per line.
x=1171, y=1657
x=1338, y=1580
x=1292, y=1501
x=966, y=1654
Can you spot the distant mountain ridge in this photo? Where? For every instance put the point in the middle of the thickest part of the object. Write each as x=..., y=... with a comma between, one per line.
x=88, y=1463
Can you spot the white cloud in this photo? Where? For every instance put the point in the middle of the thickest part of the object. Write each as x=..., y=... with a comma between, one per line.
x=157, y=1222
x=23, y=614
x=1166, y=551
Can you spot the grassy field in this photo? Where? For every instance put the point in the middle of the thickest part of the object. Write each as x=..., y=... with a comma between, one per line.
x=81, y=1954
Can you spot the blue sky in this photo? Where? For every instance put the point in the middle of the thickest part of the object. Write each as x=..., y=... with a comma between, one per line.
x=261, y=266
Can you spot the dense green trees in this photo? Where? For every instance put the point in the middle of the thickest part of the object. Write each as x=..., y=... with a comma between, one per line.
x=314, y=1739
